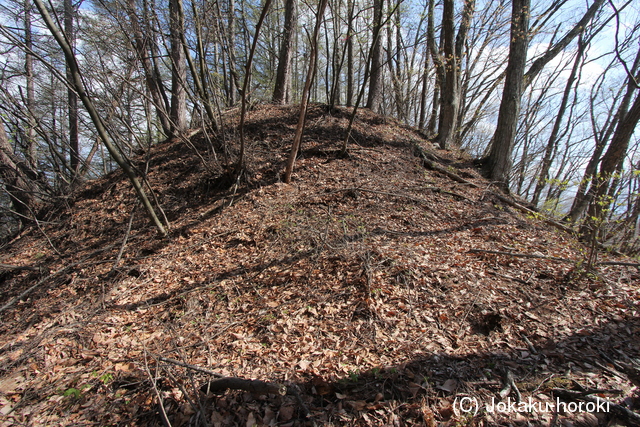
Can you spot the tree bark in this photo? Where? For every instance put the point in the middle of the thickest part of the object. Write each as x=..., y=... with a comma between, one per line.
x=31, y=153
x=611, y=161
x=374, y=97
x=498, y=162
x=17, y=184
x=350, y=6
x=239, y=167
x=282, y=89
x=72, y=98
x=178, y=112
x=586, y=188
x=141, y=44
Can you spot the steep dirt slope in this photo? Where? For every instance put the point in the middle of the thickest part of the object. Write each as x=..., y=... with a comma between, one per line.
x=367, y=285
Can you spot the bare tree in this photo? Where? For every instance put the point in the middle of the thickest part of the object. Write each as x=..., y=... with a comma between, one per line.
x=375, y=77
x=311, y=71
x=178, y=112
x=239, y=167
x=282, y=89
x=77, y=84
x=450, y=92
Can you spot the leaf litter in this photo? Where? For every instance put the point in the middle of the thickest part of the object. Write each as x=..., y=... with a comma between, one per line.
x=362, y=284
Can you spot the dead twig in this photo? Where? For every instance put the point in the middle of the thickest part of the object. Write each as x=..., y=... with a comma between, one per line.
x=252, y=386
x=190, y=366
x=509, y=386
x=163, y=412
x=430, y=164
x=15, y=299
x=124, y=240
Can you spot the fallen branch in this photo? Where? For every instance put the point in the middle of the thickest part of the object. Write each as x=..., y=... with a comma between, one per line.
x=532, y=212
x=509, y=386
x=430, y=164
x=627, y=264
x=222, y=383
x=190, y=366
x=620, y=412
x=252, y=386
x=550, y=258
x=15, y=299
x=518, y=255
x=18, y=267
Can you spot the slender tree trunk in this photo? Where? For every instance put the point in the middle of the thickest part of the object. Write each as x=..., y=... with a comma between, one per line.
x=498, y=163
x=18, y=186
x=72, y=99
x=375, y=79
x=141, y=45
x=586, y=188
x=78, y=85
x=150, y=18
x=311, y=71
x=31, y=152
x=423, y=93
x=282, y=89
x=434, y=50
x=201, y=90
x=231, y=47
x=203, y=71
x=449, y=95
x=611, y=162
x=239, y=167
x=178, y=112
x=558, y=47
x=552, y=143
x=350, y=6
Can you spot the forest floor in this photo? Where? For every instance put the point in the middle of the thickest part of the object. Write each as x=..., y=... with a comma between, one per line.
x=378, y=291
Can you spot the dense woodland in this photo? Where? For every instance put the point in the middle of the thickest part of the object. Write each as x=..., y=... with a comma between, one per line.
x=333, y=178
x=544, y=94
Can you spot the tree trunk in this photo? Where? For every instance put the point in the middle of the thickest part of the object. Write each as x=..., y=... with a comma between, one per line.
x=239, y=167
x=350, y=6
x=178, y=112
x=375, y=78
x=72, y=99
x=141, y=44
x=552, y=143
x=434, y=50
x=449, y=94
x=583, y=196
x=199, y=83
x=18, y=186
x=423, y=93
x=282, y=89
x=78, y=85
x=539, y=63
x=313, y=58
x=498, y=162
x=611, y=161
x=31, y=152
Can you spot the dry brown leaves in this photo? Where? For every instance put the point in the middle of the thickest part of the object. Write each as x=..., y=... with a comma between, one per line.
x=354, y=284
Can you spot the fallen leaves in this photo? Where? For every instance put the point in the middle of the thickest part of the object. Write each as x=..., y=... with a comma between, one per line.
x=354, y=283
